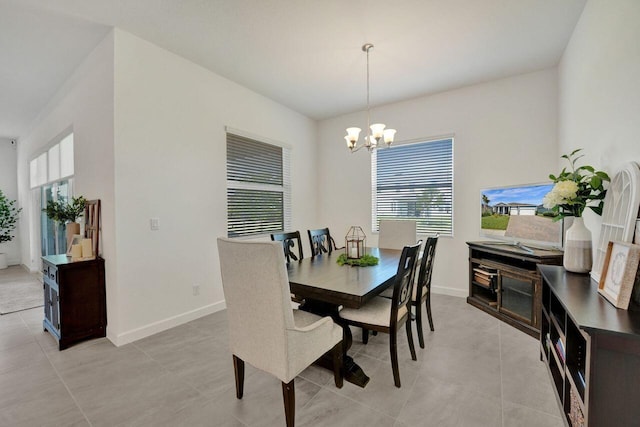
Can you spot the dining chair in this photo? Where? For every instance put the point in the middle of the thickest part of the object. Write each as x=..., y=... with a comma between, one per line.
x=388, y=315
x=422, y=288
x=321, y=241
x=290, y=241
x=264, y=330
x=396, y=233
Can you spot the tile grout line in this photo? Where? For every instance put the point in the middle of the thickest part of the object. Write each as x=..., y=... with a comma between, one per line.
x=59, y=376
x=167, y=369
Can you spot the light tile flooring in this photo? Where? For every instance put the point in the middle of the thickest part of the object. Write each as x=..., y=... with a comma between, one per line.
x=474, y=371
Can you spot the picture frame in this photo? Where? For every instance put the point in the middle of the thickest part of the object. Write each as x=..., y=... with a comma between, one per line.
x=75, y=240
x=619, y=273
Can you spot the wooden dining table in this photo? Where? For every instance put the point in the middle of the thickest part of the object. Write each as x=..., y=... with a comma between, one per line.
x=325, y=286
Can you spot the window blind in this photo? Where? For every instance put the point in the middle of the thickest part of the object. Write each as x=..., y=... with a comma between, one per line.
x=415, y=181
x=258, y=187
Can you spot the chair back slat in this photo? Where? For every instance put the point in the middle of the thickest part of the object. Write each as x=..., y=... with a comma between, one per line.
x=320, y=241
x=426, y=268
x=291, y=243
x=403, y=284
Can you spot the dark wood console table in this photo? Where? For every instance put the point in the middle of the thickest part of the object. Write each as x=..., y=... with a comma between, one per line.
x=74, y=299
x=591, y=349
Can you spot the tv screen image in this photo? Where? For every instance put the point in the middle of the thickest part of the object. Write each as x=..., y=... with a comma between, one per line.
x=515, y=214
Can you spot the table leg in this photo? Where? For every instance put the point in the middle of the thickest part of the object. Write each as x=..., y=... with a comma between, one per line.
x=353, y=373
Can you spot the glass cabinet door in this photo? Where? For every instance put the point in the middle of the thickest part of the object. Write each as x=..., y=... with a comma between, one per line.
x=517, y=296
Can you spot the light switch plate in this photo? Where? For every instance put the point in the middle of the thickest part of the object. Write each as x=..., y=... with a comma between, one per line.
x=154, y=223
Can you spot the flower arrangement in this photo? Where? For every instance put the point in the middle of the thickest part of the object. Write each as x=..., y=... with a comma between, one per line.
x=575, y=189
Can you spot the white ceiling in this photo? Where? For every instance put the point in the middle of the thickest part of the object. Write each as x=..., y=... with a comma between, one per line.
x=305, y=54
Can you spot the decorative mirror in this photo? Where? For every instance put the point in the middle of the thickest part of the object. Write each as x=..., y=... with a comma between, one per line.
x=619, y=213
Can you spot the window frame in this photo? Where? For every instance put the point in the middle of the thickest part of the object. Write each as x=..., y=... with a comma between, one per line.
x=285, y=188
x=50, y=169
x=375, y=224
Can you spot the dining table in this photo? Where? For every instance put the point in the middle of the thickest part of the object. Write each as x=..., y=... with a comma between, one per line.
x=324, y=286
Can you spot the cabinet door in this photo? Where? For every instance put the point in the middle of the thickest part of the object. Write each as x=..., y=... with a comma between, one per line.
x=47, y=301
x=517, y=296
x=55, y=310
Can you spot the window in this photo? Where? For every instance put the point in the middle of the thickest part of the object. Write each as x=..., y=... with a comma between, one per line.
x=414, y=181
x=258, y=187
x=51, y=179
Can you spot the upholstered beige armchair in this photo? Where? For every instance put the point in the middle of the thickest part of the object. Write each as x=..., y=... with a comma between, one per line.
x=264, y=330
x=396, y=234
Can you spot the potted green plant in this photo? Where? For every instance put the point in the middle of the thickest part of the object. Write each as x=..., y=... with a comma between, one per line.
x=8, y=222
x=67, y=214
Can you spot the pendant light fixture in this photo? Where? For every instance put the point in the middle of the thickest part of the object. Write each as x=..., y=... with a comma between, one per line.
x=376, y=131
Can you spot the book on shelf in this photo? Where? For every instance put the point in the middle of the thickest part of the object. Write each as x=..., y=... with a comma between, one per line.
x=560, y=348
x=482, y=280
x=485, y=271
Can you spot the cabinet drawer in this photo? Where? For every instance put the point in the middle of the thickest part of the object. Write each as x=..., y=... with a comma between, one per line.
x=50, y=274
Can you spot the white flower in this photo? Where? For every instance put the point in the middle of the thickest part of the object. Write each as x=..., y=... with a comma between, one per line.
x=550, y=200
x=566, y=189
x=561, y=193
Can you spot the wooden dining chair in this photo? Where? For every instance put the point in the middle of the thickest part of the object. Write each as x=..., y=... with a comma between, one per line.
x=321, y=241
x=396, y=233
x=388, y=315
x=290, y=241
x=264, y=330
x=422, y=288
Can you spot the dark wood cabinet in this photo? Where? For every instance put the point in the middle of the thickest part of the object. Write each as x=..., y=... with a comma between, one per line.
x=591, y=349
x=74, y=299
x=504, y=281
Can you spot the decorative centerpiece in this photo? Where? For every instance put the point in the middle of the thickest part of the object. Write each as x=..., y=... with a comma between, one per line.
x=354, y=246
x=354, y=249
x=67, y=214
x=8, y=222
x=573, y=191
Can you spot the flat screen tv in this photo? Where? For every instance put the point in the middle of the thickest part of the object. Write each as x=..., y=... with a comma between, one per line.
x=515, y=215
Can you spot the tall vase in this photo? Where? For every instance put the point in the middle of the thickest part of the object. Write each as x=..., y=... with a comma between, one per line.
x=72, y=228
x=577, y=248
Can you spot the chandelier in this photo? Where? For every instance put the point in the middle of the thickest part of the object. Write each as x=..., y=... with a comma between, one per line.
x=376, y=131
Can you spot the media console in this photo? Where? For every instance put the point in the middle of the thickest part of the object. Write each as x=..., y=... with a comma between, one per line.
x=504, y=282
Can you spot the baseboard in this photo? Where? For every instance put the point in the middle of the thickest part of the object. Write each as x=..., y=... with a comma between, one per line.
x=454, y=292
x=163, y=325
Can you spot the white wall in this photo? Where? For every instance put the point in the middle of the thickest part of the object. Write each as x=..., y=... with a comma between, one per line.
x=149, y=133
x=505, y=133
x=85, y=105
x=599, y=100
x=170, y=163
x=9, y=187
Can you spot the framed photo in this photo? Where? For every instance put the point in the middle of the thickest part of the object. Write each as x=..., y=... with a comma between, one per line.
x=619, y=273
x=75, y=240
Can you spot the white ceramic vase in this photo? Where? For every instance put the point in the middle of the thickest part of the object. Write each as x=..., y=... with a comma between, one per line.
x=577, y=248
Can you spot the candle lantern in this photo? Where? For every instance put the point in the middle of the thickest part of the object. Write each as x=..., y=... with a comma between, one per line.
x=354, y=242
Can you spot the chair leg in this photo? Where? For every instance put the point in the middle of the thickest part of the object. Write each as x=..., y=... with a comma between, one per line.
x=412, y=347
x=365, y=336
x=289, y=396
x=338, y=368
x=429, y=310
x=393, y=351
x=238, y=367
x=419, y=325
